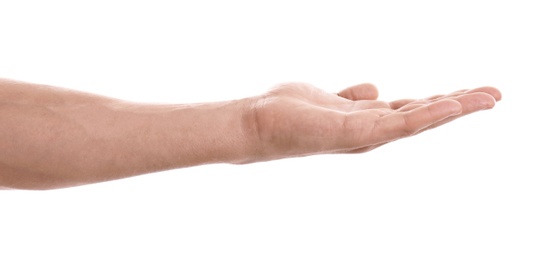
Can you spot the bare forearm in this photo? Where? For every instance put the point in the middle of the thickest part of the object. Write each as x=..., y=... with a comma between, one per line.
x=54, y=138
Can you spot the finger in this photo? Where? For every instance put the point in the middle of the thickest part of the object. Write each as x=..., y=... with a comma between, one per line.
x=351, y=106
x=414, y=103
x=488, y=90
x=402, y=124
x=364, y=91
x=471, y=103
x=438, y=97
x=494, y=92
x=397, y=104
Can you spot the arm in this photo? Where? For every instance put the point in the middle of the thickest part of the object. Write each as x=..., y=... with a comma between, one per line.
x=52, y=137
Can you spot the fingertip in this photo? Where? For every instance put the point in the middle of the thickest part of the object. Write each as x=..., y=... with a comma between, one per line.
x=452, y=107
x=497, y=94
x=479, y=100
x=490, y=102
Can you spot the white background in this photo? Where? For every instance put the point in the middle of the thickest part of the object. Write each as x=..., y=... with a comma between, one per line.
x=473, y=189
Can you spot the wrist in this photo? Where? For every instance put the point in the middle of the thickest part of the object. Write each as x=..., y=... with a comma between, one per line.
x=242, y=133
x=217, y=132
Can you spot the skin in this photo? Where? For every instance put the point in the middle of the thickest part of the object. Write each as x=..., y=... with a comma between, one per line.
x=52, y=137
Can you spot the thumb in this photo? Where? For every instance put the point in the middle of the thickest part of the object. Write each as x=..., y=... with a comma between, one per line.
x=365, y=91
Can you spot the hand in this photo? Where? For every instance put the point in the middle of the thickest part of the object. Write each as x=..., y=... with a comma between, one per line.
x=297, y=119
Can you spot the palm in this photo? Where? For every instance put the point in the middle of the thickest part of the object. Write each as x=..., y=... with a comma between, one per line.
x=298, y=119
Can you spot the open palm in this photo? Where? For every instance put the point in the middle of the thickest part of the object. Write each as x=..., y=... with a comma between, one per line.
x=297, y=119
